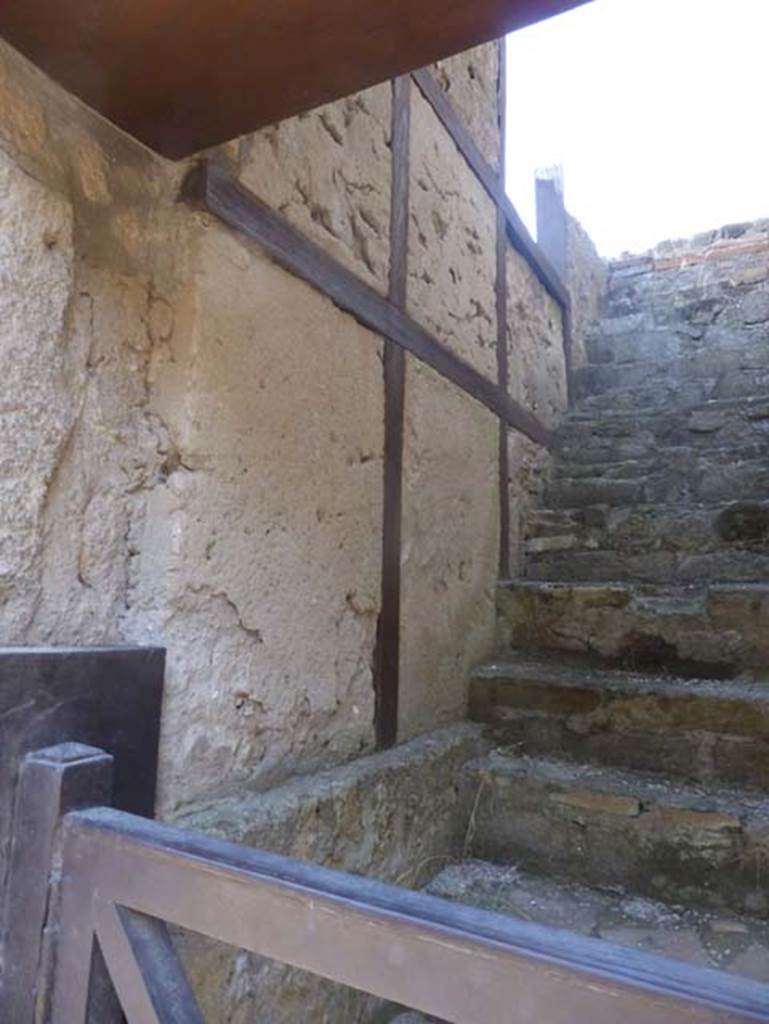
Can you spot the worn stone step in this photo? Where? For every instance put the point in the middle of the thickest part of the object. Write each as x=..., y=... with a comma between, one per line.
x=698, y=730
x=655, y=567
x=663, y=396
x=681, y=458
x=654, y=543
x=666, y=395
x=623, y=436
x=691, y=530
x=653, y=348
x=735, y=943
x=727, y=373
x=680, y=842
x=710, y=631
x=638, y=341
x=691, y=477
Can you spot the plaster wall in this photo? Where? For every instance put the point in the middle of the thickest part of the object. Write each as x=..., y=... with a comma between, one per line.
x=192, y=453
x=471, y=83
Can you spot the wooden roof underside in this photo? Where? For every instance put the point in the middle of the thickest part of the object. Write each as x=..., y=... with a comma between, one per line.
x=182, y=75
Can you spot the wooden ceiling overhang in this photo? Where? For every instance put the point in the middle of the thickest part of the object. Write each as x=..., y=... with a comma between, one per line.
x=183, y=75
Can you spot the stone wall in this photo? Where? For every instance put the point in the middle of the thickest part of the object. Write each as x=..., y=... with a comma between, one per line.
x=687, y=320
x=586, y=278
x=396, y=816
x=192, y=443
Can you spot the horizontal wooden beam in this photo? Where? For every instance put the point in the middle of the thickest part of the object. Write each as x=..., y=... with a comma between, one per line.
x=213, y=186
x=517, y=231
x=446, y=959
x=182, y=76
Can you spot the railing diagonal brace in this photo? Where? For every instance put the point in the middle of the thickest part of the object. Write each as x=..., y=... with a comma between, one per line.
x=144, y=967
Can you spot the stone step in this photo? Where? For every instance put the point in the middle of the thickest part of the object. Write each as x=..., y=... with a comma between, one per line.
x=722, y=374
x=710, y=631
x=620, y=436
x=685, y=843
x=655, y=567
x=666, y=395
x=619, y=421
x=633, y=530
x=692, y=477
x=637, y=340
x=735, y=943
x=679, y=458
x=654, y=351
x=698, y=730
x=650, y=543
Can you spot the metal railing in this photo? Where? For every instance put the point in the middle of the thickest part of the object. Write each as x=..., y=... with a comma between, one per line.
x=121, y=880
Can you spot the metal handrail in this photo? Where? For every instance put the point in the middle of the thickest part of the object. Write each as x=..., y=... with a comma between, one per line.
x=123, y=877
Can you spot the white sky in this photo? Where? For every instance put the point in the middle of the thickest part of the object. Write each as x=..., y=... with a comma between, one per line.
x=657, y=110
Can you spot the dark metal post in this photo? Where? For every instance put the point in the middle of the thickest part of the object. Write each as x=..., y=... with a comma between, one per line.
x=52, y=782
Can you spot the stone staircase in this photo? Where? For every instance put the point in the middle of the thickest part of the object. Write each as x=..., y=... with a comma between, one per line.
x=627, y=794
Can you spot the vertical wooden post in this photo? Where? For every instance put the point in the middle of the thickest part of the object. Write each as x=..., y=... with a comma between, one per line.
x=503, y=371
x=387, y=661
x=52, y=782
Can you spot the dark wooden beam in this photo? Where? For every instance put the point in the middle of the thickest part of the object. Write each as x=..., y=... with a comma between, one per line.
x=503, y=369
x=387, y=661
x=213, y=186
x=183, y=75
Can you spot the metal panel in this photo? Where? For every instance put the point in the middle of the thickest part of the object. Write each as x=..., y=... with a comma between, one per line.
x=107, y=697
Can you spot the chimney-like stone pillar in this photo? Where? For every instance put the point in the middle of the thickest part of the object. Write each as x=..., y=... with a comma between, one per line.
x=552, y=229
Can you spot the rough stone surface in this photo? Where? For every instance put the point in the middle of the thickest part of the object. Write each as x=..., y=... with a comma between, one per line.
x=586, y=279
x=450, y=548
x=394, y=816
x=710, y=631
x=694, y=729
x=452, y=244
x=471, y=82
x=38, y=413
x=535, y=344
x=671, y=430
x=529, y=465
x=737, y=945
x=537, y=379
x=684, y=843
x=266, y=527
x=328, y=172
x=81, y=292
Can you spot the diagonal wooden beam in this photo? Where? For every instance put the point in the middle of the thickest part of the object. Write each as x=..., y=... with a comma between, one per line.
x=494, y=184
x=144, y=967
x=215, y=188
